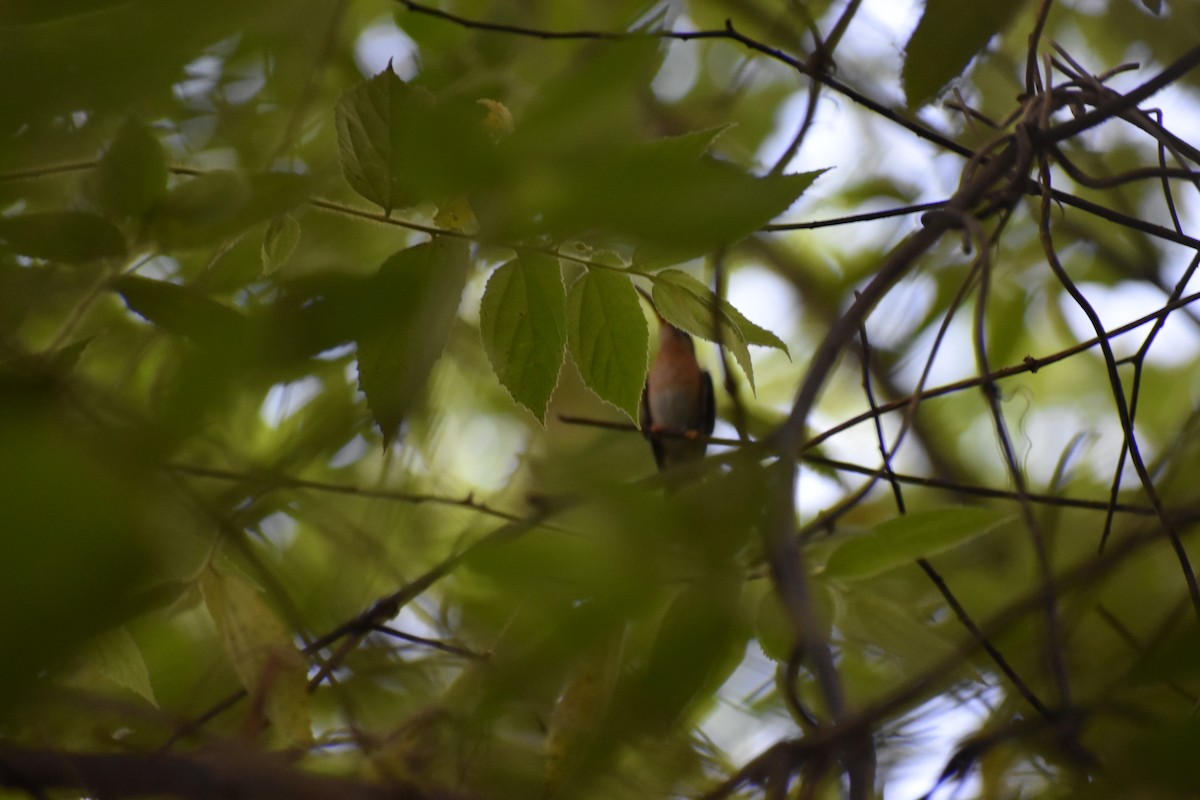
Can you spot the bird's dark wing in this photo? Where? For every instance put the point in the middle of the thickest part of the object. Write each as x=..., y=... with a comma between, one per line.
x=708, y=403
x=646, y=423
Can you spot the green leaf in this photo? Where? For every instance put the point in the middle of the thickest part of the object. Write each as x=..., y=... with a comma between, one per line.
x=407, y=311
x=691, y=302
x=870, y=620
x=690, y=306
x=71, y=237
x=279, y=242
x=691, y=146
x=701, y=622
x=183, y=311
x=752, y=333
x=948, y=36
x=138, y=50
x=590, y=106
x=116, y=658
x=377, y=137
x=773, y=629
x=222, y=204
x=580, y=710
x=902, y=540
x=523, y=325
x=400, y=146
x=132, y=176
x=261, y=652
x=673, y=206
x=608, y=337
x=74, y=507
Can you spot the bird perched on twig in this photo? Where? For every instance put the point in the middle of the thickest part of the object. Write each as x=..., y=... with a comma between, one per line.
x=678, y=409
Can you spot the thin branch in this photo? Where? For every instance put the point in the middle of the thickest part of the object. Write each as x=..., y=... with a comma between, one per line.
x=270, y=480
x=1055, y=644
x=1118, y=393
x=728, y=33
x=1030, y=364
x=854, y=218
x=445, y=647
x=1124, y=102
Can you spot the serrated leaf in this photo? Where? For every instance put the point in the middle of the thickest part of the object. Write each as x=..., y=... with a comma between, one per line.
x=901, y=541
x=608, y=337
x=673, y=206
x=261, y=652
x=872, y=620
x=376, y=138
x=71, y=237
x=948, y=36
x=773, y=629
x=690, y=306
x=522, y=322
x=692, y=146
x=752, y=333
x=399, y=145
x=279, y=242
x=407, y=311
x=222, y=204
x=116, y=658
x=132, y=177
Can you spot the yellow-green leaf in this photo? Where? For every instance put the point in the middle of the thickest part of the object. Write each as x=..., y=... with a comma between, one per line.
x=261, y=652
x=608, y=337
x=523, y=324
x=406, y=313
x=690, y=306
x=279, y=242
x=904, y=539
x=948, y=36
x=579, y=712
x=116, y=658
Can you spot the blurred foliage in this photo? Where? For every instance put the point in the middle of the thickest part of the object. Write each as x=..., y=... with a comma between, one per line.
x=302, y=305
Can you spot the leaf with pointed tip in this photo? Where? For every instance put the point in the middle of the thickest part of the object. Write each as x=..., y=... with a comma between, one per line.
x=608, y=337
x=279, y=242
x=902, y=540
x=407, y=310
x=71, y=237
x=948, y=36
x=524, y=330
x=261, y=652
x=691, y=146
x=673, y=205
x=114, y=657
x=690, y=306
x=399, y=145
x=375, y=131
x=704, y=622
x=184, y=311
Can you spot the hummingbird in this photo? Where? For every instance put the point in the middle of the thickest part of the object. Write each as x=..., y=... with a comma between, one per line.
x=677, y=400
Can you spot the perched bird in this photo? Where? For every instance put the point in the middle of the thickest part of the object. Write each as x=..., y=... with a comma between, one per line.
x=678, y=409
